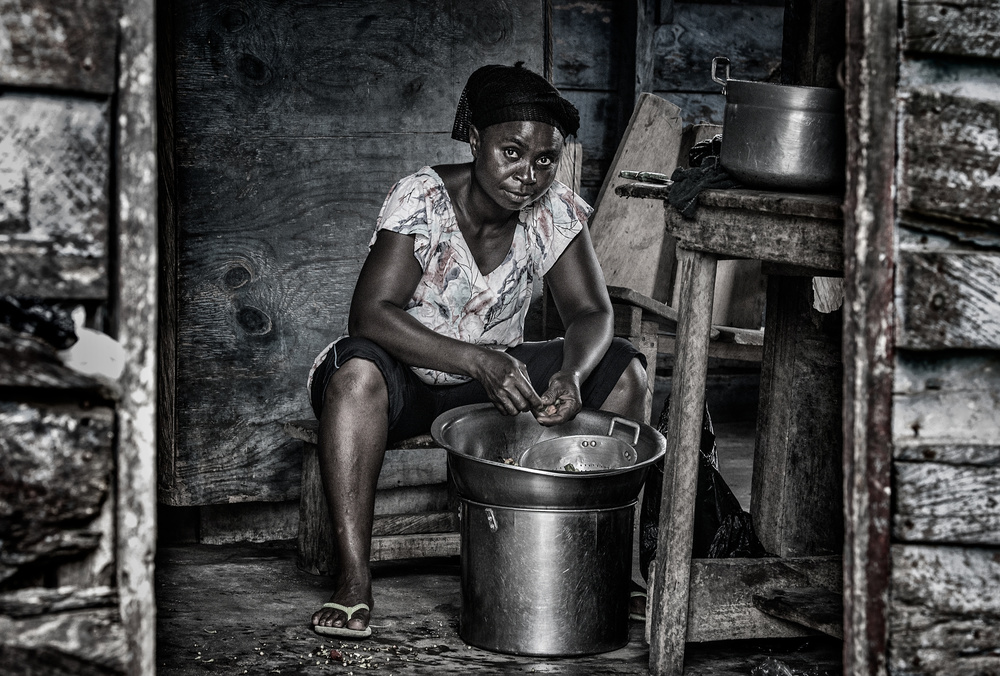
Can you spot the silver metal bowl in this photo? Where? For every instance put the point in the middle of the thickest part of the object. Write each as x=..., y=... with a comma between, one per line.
x=479, y=439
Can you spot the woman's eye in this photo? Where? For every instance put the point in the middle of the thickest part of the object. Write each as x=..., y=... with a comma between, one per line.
x=510, y=152
x=545, y=161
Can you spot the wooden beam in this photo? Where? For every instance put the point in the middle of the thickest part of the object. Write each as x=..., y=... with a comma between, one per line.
x=135, y=305
x=869, y=234
x=813, y=607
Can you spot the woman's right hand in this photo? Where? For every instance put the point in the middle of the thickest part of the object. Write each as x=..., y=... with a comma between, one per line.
x=506, y=382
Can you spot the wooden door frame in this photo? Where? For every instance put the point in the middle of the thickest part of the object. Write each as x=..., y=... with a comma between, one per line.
x=868, y=338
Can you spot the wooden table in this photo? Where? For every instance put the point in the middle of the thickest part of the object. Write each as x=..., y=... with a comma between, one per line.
x=796, y=495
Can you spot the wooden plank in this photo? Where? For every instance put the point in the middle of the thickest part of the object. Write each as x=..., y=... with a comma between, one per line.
x=945, y=406
x=870, y=76
x=797, y=486
x=670, y=600
x=949, y=160
x=683, y=50
x=771, y=237
x=33, y=601
x=721, y=605
x=582, y=49
x=717, y=350
x=65, y=644
x=394, y=547
x=135, y=300
x=55, y=477
x=812, y=42
x=948, y=299
x=938, y=502
x=66, y=45
x=807, y=205
x=812, y=607
x=628, y=235
x=54, y=167
x=952, y=27
x=397, y=67
x=946, y=611
x=248, y=522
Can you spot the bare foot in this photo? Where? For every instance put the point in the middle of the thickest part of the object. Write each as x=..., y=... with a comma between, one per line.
x=348, y=593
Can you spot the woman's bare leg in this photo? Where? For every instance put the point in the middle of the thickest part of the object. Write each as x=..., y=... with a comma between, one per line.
x=352, y=436
x=629, y=396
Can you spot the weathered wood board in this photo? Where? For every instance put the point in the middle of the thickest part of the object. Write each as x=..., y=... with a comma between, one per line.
x=64, y=644
x=952, y=27
x=945, y=611
x=945, y=503
x=54, y=163
x=54, y=479
x=629, y=235
x=950, y=164
x=948, y=299
x=69, y=45
x=292, y=122
x=945, y=407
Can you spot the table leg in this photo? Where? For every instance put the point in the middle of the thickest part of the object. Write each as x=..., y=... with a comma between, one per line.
x=669, y=609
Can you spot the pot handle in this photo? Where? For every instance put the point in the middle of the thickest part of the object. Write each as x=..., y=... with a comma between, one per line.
x=627, y=423
x=720, y=61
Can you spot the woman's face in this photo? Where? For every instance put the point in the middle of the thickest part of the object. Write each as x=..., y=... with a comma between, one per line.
x=515, y=162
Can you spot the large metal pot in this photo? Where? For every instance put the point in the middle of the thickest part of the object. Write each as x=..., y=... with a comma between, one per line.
x=781, y=137
x=479, y=439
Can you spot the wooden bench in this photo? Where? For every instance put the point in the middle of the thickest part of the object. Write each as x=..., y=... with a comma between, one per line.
x=413, y=504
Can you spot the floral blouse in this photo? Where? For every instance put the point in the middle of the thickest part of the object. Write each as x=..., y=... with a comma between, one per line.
x=454, y=298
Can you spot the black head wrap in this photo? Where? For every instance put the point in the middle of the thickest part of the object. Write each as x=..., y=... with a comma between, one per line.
x=496, y=94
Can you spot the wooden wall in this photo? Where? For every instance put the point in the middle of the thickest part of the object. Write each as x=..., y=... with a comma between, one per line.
x=944, y=603
x=77, y=226
x=591, y=51
x=288, y=124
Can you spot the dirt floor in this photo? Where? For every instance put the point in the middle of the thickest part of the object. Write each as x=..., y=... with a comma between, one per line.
x=244, y=609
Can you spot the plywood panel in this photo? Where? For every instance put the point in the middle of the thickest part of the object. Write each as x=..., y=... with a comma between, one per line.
x=69, y=44
x=954, y=27
x=948, y=299
x=293, y=121
x=950, y=163
x=54, y=163
x=945, y=611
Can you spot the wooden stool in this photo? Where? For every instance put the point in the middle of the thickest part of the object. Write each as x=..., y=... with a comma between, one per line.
x=413, y=514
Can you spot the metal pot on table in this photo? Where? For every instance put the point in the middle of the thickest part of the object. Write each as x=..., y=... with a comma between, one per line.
x=781, y=137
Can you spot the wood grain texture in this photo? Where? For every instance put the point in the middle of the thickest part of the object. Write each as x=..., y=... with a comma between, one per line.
x=34, y=601
x=812, y=607
x=583, y=44
x=88, y=642
x=768, y=236
x=67, y=45
x=946, y=610
x=671, y=587
x=955, y=27
x=56, y=475
x=797, y=484
x=870, y=76
x=942, y=503
x=950, y=164
x=287, y=143
x=54, y=164
x=683, y=50
x=628, y=234
x=945, y=406
x=948, y=300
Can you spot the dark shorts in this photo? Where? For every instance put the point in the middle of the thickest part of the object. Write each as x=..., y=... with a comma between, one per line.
x=413, y=404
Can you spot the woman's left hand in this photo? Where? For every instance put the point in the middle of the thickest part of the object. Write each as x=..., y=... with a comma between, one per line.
x=561, y=401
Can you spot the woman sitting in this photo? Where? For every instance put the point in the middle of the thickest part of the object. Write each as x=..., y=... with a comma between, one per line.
x=437, y=317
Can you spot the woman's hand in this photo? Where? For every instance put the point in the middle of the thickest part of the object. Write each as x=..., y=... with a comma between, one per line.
x=506, y=382
x=561, y=401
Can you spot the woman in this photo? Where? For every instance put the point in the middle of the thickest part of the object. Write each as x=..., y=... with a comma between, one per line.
x=437, y=316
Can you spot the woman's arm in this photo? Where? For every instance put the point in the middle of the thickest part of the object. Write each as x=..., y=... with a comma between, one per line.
x=385, y=285
x=581, y=297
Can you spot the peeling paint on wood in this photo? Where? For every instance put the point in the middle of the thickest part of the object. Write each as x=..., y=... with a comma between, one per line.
x=54, y=162
x=938, y=503
x=64, y=644
x=69, y=44
x=946, y=603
